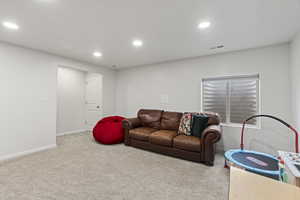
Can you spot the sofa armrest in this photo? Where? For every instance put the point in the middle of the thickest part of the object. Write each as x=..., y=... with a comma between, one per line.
x=131, y=123
x=210, y=136
x=128, y=124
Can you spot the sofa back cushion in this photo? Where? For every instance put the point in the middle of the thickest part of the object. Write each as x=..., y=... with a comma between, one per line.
x=214, y=118
x=170, y=120
x=150, y=118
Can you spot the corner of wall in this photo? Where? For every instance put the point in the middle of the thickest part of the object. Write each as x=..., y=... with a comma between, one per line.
x=295, y=79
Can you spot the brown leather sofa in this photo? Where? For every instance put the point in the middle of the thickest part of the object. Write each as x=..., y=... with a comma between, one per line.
x=157, y=131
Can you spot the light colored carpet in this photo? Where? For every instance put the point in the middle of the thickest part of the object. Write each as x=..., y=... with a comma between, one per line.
x=81, y=169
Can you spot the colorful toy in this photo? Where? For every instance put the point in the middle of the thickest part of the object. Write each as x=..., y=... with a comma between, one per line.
x=257, y=162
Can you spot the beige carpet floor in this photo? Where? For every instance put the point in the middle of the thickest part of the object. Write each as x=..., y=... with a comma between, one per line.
x=81, y=169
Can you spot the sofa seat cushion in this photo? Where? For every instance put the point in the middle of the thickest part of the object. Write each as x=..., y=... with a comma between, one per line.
x=163, y=137
x=141, y=133
x=188, y=143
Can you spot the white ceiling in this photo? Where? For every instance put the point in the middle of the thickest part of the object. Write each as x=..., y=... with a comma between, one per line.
x=76, y=28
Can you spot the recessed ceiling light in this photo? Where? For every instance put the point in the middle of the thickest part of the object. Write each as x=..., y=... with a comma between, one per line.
x=10, y=25
x=137, y=43
x=204, y=25
x=97, y=54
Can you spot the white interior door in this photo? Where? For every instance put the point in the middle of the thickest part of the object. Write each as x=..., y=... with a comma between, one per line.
x=93, y=99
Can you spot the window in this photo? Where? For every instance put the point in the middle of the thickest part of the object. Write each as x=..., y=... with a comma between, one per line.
x=234, y=98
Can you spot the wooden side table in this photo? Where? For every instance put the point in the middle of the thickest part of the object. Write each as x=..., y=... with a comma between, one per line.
x=249, y=186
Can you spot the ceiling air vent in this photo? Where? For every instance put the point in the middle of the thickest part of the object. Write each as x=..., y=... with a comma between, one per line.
x=217, y=47
x=114, y=66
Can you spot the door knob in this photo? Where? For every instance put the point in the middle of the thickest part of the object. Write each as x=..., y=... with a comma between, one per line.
x=98, y=107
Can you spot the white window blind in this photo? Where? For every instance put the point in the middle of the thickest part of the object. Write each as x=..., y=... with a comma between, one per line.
x=233, y=98
x=215, y=97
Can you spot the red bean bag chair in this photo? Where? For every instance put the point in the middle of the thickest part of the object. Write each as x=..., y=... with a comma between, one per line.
x=109, y=130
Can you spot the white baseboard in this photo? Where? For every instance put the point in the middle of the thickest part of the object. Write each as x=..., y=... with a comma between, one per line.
x=72, y=132
x=24, y=153
x=220, y=149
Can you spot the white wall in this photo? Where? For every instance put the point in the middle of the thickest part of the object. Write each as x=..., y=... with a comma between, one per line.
x=142, y=88
x=28, y=81
x=295, y=78
x=70, y=100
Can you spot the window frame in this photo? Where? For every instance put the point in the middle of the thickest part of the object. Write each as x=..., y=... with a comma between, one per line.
x=228, y=123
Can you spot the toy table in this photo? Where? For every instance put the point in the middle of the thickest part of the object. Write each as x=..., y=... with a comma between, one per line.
x=248, y=186
x=292, y=166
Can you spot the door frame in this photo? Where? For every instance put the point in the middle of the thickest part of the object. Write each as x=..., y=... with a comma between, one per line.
x=83, y=69
x=100, y=99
